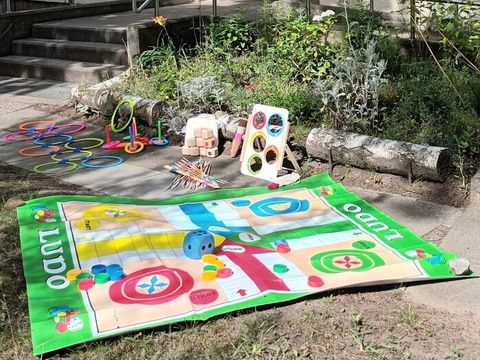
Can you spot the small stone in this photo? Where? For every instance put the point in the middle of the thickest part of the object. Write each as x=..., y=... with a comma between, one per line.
x=13, y=202
x=459, y=266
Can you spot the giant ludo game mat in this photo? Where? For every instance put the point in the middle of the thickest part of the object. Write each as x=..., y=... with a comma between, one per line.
x=102, y=266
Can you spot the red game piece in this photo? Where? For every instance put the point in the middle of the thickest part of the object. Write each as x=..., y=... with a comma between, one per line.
x=224, y=273
x=315, y=281
x=86, y=284
x=273, y=186
x=283, y=248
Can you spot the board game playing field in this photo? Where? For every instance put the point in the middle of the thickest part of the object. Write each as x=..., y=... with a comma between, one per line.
x=101, y=266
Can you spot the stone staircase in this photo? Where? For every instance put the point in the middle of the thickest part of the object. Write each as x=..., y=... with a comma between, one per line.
x=68, y=54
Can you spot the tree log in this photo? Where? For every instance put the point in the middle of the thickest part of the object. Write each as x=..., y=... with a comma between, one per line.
x=146, y=110
x=103, y=99
x=390, y=156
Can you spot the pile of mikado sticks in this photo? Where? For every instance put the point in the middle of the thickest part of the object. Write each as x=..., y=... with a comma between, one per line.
x=193, y=175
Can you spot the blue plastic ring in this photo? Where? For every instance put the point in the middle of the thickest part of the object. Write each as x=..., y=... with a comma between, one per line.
x=118, y=161
x=39, y=140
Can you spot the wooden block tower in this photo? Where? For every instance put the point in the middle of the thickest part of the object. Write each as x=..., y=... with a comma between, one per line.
x=203, y=143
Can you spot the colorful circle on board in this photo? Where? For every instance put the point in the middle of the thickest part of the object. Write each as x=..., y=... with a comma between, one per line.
x=338, y=261
x=254, y=164
x=203, y=296
x=279, y=206
x=275, y=129
x=151, y=286
x=241, y=203
x=258, y=142
x=363, y=244
x=87, y=224
x=259, y=120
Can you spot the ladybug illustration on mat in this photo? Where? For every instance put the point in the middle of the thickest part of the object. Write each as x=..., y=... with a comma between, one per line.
x=42, y=214
x=65, y=319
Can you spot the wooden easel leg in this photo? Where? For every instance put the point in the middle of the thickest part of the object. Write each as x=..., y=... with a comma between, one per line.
x=292, y=159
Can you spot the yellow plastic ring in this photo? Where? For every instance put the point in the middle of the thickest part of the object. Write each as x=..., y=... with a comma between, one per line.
x=136, y=149
x=74, y=141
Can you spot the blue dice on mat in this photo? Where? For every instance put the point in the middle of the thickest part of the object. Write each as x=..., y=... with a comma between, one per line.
x=198, y=243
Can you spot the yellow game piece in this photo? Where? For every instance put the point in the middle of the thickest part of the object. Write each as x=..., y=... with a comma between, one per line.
x=209, y=275
x=72, y=274
x=209, y=258
x=218, y=263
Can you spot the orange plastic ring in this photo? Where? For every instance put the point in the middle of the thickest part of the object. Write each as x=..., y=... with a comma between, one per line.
x=46, y=125
x=136, y=149
x=49, y=149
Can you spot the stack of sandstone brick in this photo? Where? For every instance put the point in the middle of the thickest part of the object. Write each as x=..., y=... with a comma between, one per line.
x=203, y=144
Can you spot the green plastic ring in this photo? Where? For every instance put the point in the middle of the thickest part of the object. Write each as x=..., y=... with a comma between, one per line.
x=112, y=121
x=38, y=167
x=83, y=275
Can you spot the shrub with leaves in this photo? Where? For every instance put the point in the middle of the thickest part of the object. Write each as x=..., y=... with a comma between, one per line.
x=459, y=26
x=351, y=93
x=301, y=48
x=202, y=94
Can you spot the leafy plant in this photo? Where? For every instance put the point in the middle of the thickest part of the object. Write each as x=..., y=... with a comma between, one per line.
x=203, y=94
x=301, y=48
x=460, y=30
x=351, y=95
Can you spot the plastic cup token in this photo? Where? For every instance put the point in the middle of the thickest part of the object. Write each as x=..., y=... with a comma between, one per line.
x=116, y=275
x=84, y=275
x=85, y=284
x=209, y=258
x=113, y=267
x=102, y=278
x=209, y=275
x=280, y=268
x=72, y=274
x=224, y=273
x=209, y=267
x=97, y=269
x=283, y=248
x=315, y=281
x=218, y=263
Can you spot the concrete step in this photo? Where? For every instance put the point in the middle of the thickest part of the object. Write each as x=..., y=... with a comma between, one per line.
x=57, y=70
x=72, y=50
x=90, y=34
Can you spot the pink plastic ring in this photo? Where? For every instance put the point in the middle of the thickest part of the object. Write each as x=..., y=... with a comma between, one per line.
x=78, y=126
x=111, y=145
x=31, y=135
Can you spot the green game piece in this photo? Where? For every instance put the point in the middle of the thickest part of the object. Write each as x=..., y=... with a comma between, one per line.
x=84, y=275
x=209, y=268
x=102, y=278
x=363, y=244
x=280, y=268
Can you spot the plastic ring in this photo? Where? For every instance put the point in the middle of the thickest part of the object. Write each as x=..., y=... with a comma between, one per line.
x=49, y=149
x=39, y=140
x=136, y=149
x=72, y=167
x=69, y=145
x=31, y=135
x=79, y=127
x=111, y=145
x=112, y=121
x=73, y=158
x=118, y=161
x=45, y=125
x=158, y=142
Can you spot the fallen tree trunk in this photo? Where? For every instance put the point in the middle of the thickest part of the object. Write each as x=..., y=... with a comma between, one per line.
x=390, y=156
x=102, y=99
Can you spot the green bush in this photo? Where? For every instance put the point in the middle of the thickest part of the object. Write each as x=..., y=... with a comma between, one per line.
x=301, y=48
x=423, y=108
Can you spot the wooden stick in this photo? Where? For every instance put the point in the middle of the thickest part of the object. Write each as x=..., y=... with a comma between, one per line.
x=207, y=182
